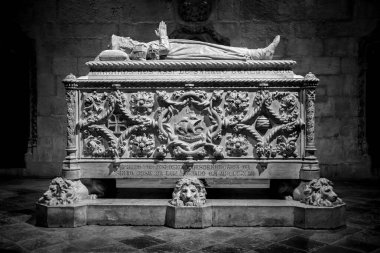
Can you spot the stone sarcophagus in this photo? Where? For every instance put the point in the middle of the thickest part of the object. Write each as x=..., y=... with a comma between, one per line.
x=228, y=122
x=192, y=115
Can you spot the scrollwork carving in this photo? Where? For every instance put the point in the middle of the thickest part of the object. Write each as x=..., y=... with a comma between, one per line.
x=269, y=125
x=107, y=124
x=189, y=124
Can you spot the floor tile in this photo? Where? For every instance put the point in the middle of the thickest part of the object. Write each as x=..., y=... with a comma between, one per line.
x=219, y=235
x=59, y=248
x=117, y=247
x=330, y=236
x=23, y=234
x=170, y=234
x=167, y=248
x=246, y=242
x=367, y=236
x=223, y=248
x=92, y=242
x=334, y=249
x=141, y=242
x=352, y=243
x=302, y=243
x=147, y=229
x=195, y=243
x=273, y=234
x=278, y=248
x=118, y=232
x=39, y=242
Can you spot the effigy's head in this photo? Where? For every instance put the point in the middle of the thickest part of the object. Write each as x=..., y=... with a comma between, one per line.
x=189, y=191
x=320, y=192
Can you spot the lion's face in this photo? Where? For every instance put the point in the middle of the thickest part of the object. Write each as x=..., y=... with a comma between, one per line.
x=328, y=193
x=319, y=192
x=189, y=193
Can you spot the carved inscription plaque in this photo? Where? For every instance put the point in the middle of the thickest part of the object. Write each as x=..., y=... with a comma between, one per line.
x=175, y=170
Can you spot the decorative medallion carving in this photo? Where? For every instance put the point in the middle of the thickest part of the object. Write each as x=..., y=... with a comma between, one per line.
x=142, y=103
x=141, y=145
x=94, y=146
x=236, y=145
x=181, y=123
x=188, y=191
x=236, y=102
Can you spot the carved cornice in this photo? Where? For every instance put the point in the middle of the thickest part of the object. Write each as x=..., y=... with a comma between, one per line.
x=188, y=79
x=191, y=65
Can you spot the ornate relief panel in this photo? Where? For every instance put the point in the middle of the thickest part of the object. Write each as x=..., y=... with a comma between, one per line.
x=190, y=124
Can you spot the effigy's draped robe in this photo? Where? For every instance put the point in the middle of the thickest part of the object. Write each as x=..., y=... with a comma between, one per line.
x=181, y=49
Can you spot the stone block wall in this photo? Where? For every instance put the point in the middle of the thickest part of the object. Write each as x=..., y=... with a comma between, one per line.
x=321, y=35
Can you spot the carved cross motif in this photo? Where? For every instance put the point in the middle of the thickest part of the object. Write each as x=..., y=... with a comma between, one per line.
x=116, y=125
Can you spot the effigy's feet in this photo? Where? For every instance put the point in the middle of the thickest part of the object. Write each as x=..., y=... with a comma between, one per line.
x=269, y=50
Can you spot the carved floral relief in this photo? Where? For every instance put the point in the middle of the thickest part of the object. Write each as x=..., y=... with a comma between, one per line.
x=190, y=124
x=141, y=145
x=236, y=102
x=236, y=145
x=142, y=102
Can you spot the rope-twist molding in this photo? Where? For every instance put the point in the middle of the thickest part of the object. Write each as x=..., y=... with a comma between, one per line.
x=190, y=64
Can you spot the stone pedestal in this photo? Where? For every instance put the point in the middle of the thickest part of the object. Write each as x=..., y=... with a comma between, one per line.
x=217, y=213
x=189, y=217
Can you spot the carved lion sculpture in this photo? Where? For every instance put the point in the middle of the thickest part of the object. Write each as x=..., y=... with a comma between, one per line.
x=188, y=191
x=63, y=191
x=319, y=192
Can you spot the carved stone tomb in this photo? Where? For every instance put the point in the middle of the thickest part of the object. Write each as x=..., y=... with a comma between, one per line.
x=242, y=121
x=217, y=123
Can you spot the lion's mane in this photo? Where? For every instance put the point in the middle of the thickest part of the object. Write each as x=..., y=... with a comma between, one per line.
x=319, y=192
x=201, y=199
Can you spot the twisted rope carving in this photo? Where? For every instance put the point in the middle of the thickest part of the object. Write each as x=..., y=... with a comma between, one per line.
x=182, y=79
x=167, y=64
x=251, y=130
x=110, y=137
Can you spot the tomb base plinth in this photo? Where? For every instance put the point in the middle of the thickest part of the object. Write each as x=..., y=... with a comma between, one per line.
x=216, y=212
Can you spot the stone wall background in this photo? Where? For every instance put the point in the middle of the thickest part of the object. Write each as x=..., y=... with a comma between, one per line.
x=321, y=35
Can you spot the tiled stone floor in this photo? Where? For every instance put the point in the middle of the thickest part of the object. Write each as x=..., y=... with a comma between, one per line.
x=18, y=233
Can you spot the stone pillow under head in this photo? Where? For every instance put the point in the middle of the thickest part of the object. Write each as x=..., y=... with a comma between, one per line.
x=112, y=55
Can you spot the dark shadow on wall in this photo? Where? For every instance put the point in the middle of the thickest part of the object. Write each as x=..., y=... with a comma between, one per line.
x=369, y=56
x=18, y=80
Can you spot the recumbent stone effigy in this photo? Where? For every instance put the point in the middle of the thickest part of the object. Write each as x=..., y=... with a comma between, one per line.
x=218, y=116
